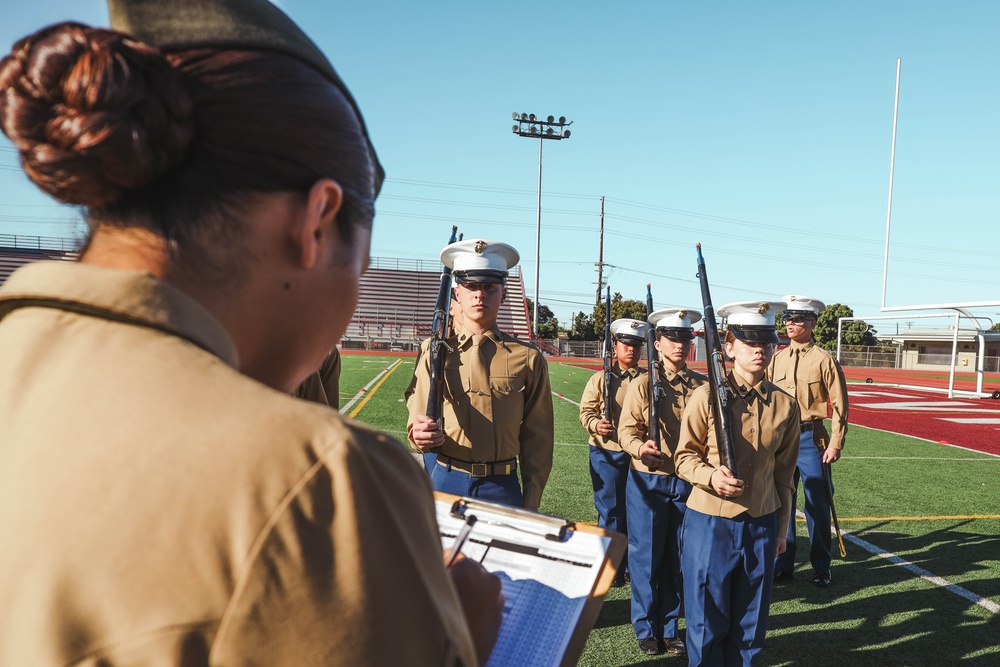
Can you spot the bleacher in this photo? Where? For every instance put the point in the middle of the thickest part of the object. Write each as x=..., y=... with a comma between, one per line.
x=396, y=306
x=17, y=250
x=395, y=303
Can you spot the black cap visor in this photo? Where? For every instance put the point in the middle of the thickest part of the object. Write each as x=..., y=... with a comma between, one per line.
x=480, y=276
x=631, y=341
x=755, y=334
x=675, y=333
x=795, y=314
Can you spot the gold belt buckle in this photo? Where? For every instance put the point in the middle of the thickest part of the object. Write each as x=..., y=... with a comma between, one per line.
x=480, y=470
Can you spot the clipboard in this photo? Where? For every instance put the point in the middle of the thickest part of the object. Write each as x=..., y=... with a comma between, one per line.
x=555, y=575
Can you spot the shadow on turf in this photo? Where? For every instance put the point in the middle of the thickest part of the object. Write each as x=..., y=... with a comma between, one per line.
x=885, y=617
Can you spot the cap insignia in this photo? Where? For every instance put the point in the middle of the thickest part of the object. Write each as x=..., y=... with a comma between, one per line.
x=682, y=314
x=634, y=324
x=480, y=247
x=763, y=308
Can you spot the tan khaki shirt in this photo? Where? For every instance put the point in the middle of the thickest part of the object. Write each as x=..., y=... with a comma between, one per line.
x=323, y=386
x=633, y=429
x=157, y=507
x=592, y=403
x=766, y=439
x=814, y=378
x=516, y=420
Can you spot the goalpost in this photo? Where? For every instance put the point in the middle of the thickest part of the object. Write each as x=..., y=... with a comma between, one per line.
x=961, y=308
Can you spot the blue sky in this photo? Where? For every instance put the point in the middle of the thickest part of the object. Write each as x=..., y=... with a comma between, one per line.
x=760, y=129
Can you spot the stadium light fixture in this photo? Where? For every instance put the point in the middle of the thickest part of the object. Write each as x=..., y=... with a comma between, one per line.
x=529, y=125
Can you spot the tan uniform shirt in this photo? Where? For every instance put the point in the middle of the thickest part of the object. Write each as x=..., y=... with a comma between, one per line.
x=323, y=386
x=765, y=436
x=512, y=419
x=813, y=377
x=633, y=429
x=157, y=507
x=592, y=403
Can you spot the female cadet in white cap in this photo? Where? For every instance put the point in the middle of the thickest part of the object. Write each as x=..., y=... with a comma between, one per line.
x=655, y=496
x=497, y=411
x=609, y=463
x=736, y=519
x=814, y=377
x=163, y=499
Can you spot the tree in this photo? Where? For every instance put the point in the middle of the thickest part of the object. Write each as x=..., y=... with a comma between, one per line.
x=856, y=333
x=583, y=328
x=620, y=309
x=995, y=327
x=548, y=325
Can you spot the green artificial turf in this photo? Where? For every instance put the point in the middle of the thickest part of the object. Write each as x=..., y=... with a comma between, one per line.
x=903, y=496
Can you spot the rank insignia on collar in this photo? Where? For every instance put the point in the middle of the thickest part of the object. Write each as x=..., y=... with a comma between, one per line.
x=480, y=247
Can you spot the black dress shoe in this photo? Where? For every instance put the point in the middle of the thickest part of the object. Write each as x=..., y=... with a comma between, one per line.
x=674, y=646
x=781, y=576
x=650, y=646
x=822, y=579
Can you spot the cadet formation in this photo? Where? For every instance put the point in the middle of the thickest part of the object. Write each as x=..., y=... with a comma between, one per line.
x=188, y=508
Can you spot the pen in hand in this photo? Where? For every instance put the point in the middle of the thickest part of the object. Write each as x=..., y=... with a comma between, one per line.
x=460, y=540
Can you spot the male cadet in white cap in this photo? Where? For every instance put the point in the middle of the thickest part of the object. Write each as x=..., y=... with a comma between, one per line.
x=497, y=409
x=814, y=378
x=736, y=520
x=609, y=464
x=656, y=497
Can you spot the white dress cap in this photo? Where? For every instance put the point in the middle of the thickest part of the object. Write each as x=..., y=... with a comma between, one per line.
x=796, y=304
x=752, y=321
x=479, y=260
x=631, y=332
x=675, y=323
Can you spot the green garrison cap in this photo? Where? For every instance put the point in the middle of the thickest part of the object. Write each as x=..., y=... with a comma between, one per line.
x=177, y=25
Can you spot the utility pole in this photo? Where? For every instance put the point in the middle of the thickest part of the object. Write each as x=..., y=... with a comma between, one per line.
x=528, y=125
x=600, y=258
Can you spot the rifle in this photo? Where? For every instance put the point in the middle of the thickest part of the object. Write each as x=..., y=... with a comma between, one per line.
x=718, y=385
x=653, y=418
x=439, y=334
x=609, y=356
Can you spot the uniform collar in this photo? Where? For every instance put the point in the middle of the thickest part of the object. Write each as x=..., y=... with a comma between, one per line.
x=801, y=347
x=673, y=377
x=747, y=392
x=131, y=297
x=622, y=372
x=464, y=336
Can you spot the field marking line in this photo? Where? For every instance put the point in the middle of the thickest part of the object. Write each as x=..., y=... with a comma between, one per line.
x=568, y=400
x=920, y=458
x=380, y=378
x=934, y=442
x=926, y=575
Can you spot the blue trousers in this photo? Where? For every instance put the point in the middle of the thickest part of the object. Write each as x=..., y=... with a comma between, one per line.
x=728, y=573
x=817, y=509
x=608, y=474
x=655, y=506
x=504, y=489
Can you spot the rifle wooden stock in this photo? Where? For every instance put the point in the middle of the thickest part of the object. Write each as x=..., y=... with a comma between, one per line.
x=653, y=417
x=718, y=384
x=439, y=334
x=609, y=356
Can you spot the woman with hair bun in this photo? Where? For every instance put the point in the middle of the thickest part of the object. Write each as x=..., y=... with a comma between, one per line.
x=163, y=498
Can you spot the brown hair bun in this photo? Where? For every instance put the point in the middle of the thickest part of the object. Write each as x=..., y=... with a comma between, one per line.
x=94, y=113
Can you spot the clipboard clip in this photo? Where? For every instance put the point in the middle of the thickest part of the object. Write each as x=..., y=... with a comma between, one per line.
x=550, y=527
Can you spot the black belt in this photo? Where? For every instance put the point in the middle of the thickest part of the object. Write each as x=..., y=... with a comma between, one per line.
x=508, y=467
x=808, y=426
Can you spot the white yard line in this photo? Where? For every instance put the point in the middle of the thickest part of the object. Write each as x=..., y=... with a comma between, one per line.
x=357, y=397
x=920, y=572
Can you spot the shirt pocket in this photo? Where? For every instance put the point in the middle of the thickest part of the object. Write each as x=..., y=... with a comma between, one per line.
x=815, y=391
x=508, y=401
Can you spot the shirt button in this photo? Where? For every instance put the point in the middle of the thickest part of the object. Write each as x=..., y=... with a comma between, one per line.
x=751, y=430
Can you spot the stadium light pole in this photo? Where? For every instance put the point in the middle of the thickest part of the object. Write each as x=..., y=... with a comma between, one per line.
x=528, y=125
